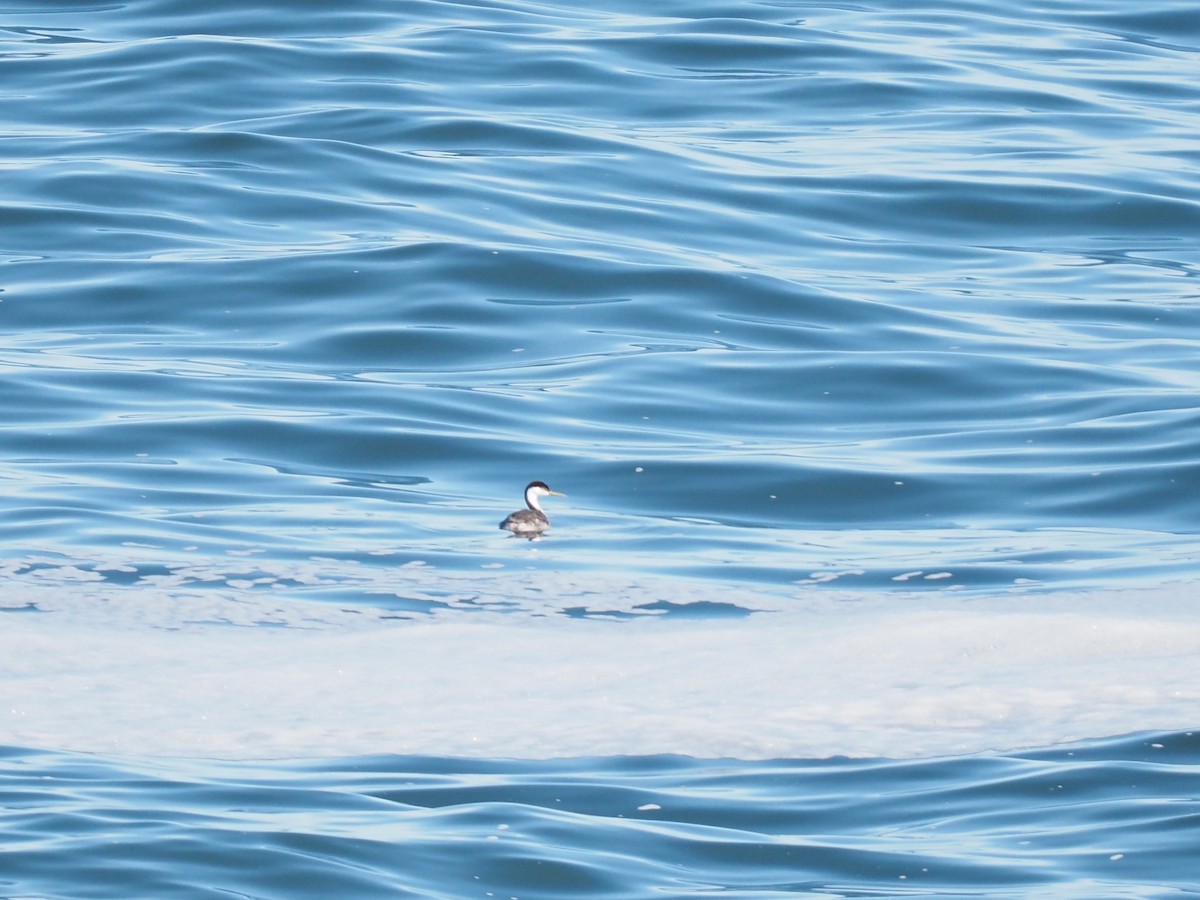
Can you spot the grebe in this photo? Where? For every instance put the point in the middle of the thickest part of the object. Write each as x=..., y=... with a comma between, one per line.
x=531, y=521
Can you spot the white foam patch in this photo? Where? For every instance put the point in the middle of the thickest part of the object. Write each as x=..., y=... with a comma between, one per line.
x=103, y=668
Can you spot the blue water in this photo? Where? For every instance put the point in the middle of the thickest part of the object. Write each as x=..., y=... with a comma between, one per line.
x=1116, y=819
x=802, y=305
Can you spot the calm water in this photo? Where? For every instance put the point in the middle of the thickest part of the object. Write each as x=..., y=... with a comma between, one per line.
x=1106, y=820
x=862, y=338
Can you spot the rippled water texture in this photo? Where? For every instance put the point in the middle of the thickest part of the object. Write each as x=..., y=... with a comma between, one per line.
x=861, y=338
x=774, y=292
x=1098, y=820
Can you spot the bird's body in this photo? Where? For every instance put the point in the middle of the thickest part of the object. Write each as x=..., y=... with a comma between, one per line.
x=526, y=521
x=531, y=521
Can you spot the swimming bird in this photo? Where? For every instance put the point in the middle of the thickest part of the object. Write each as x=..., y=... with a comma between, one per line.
x=531, y=521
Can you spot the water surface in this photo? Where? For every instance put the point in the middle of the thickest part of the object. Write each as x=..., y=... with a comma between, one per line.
x=862, y=340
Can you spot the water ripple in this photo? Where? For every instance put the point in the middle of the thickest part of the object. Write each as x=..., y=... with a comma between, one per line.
x=786, y=300
x=1084, y=820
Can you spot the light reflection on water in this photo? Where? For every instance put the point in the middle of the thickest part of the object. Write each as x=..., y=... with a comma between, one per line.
x=791, y=308
x=861, y=339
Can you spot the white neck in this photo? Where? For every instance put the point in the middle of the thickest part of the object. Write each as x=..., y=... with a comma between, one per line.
x=531, y=499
